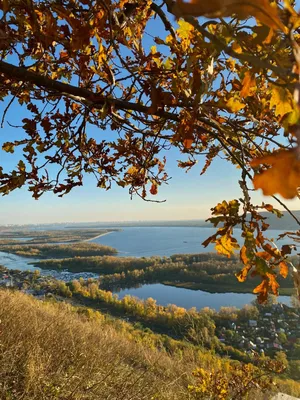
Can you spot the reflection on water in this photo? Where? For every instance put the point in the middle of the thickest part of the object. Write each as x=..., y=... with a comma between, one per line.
x=187, y=298
x=13, y=261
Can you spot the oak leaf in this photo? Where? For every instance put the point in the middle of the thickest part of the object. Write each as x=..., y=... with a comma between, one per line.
x=235, y=105
x=260, y=9
x=262, y=291
x=242, y=275
x=226, y=245
x=283, y=177
x=244, y=257
x=249, y=85
x=153, y=189
x=283, y=268
x=282, y=100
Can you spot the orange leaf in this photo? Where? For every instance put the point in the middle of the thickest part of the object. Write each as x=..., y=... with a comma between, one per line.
x=284, y=270
x=243, y=255
x=249, y=85
x=188, y=143
x=262, y=291
x=283, y=177
x=260, y=9
x=259, y=288
x=153, y=189
x=273, y=284
x=242, y=275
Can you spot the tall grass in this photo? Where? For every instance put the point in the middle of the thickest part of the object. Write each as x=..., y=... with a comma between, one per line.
x=55, y=351
x=48, y=351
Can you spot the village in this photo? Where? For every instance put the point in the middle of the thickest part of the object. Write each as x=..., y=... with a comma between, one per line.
x=276, y=328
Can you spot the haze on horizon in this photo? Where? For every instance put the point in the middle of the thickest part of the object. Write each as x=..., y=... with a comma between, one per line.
x=188, y=196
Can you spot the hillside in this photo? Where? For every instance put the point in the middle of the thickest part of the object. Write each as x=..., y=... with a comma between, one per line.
x=53, y=350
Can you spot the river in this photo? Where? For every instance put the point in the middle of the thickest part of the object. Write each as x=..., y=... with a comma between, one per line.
x=165, y=241
x=160, y=241
x=187, y=298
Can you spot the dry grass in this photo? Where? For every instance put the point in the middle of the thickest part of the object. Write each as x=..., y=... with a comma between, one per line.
x=48, y=351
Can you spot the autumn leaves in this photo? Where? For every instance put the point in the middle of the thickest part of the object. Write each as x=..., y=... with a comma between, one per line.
x=278, y=172
x=262, y=10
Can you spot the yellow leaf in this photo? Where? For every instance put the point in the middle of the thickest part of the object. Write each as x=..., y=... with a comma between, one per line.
x=282, y=99
x=249, y=85
x=226, y=245
x=132, y=170
x=237, y=48
x=235, y=105
x=185, y=29
x=283, y=177
x=260, y=9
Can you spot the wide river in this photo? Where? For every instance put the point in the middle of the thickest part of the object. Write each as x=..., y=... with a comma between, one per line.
x=159, y=241
x=165, y=241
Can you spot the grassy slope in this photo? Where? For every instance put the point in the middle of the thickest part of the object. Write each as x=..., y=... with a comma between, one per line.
x=50, y=352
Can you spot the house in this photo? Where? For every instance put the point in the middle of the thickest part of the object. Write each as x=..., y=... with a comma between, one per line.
x=233, y=326
x=252, y=323
x=252, y=345
x=259, y=341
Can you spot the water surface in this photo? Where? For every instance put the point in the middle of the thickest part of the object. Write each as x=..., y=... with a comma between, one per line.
x=187, y=298
x=165, y=241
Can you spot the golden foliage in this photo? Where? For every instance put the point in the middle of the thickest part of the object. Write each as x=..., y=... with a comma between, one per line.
x=260, y=9
x=283, y=177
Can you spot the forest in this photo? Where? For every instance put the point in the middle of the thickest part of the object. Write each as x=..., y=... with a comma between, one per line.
x=11, y=236
x=205, y=271
x=80, y=249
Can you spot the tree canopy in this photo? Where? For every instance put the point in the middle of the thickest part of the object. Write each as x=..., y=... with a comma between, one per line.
x=213, y=79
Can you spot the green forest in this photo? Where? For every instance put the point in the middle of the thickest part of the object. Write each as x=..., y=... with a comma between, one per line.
x=207, y=271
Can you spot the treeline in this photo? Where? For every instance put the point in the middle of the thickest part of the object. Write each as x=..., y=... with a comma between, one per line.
x=50, y=236
x=82, y=249
x=195, y=327
x=207, y=275
x=101, y=265
x=206, y=271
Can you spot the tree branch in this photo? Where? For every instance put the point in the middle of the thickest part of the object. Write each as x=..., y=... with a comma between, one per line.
x=80, y=94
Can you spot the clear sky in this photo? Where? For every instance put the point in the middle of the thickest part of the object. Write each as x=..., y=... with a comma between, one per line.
x=188, y=196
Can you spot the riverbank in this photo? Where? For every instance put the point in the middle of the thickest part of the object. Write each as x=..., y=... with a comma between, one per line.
x=284, y=291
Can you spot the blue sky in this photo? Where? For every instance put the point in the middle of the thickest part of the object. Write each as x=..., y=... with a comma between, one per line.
x=188, y=196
